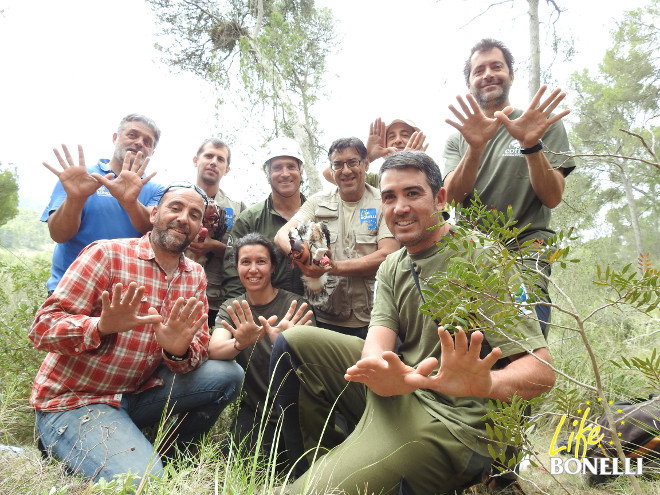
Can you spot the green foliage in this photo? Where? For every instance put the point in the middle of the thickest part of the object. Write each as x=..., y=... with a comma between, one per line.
x=616, y=112
x=8, y=195
x=275, y=58
x=26, y=232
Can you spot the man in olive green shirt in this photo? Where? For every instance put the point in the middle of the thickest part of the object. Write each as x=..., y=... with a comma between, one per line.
x=415, y=424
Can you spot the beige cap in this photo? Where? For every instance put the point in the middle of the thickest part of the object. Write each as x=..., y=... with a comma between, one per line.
x=403, y=121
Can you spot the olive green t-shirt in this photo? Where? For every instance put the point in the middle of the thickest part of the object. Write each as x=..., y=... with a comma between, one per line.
x=255, y=359
x=396, y=306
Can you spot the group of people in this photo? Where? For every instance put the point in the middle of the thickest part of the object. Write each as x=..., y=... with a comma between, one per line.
x=371, y=394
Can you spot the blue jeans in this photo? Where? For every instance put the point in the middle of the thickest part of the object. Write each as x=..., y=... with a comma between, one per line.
x=101, y=441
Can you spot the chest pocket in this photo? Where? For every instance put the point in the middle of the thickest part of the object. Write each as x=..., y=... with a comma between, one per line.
x=327, y=212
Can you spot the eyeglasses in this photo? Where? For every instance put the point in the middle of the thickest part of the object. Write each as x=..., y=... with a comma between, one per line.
x=352, y=163
x=188, y=185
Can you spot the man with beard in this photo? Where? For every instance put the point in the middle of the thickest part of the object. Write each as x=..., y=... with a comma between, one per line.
x=212, y=162
x=127, y=337
x=109, y=200
x=283, y=168
x=498, y=151
x=359, y=240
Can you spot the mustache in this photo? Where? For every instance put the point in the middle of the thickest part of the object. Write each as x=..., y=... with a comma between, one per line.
x=177, y=225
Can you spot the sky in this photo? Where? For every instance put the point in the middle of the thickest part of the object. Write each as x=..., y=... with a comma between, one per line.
x=71, y=69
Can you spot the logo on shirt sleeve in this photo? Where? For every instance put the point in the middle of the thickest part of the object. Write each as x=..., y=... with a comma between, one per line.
x=368, y=216
x=229, y=216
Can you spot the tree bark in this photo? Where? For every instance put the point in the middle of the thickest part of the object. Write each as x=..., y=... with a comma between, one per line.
x=534, y=49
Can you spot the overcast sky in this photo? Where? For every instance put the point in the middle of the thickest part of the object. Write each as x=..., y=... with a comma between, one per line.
x=71, y=69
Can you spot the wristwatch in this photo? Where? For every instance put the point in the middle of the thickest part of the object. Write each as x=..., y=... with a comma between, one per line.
x=534, y=149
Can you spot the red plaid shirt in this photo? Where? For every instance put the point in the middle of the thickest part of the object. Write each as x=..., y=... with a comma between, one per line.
x=84, y=368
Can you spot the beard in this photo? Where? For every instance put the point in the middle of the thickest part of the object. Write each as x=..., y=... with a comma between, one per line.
x=493, y=99
x=164, y=240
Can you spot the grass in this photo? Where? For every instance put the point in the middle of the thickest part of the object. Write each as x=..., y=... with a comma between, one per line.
x=21, y=291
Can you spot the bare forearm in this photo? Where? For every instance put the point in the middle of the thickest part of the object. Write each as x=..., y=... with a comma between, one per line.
x=139, y=216
x=282, y=237
x=64, y=223
x=548, y=183
x=526, y=377
x=460, y=182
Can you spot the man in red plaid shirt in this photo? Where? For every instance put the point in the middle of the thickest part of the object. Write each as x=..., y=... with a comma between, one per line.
x=127, y=336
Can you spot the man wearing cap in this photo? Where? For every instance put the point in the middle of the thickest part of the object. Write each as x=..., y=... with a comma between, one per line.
x=384, y=140
x=109, y=200
x=283, y=169
x=212, y=162
x=499, y=151
x=359, y=240
x=127, y=337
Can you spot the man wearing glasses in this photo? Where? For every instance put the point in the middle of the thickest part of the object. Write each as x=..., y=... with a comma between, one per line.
x=109, y=200
x=127, y=337
x=359, y=240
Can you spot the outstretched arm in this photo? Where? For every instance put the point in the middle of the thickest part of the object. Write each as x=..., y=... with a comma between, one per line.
x=64, y=223
x=528, y=129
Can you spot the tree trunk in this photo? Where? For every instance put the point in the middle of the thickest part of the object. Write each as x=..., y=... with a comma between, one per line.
x=534, y=49
x=632, y=208
x=298, y=127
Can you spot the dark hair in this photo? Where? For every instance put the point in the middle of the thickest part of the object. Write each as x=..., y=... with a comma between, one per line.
x=417, y=160
x=255, y=238
x=136, y=117
x=217, y=143
x=486, y=45
x=345, y=143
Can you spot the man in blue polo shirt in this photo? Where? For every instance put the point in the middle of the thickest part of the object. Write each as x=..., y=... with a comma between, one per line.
x=109, y=200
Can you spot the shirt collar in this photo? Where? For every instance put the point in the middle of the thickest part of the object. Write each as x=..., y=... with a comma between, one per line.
x=146, y=252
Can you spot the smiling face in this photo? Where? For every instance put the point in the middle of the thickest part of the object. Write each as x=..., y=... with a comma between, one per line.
x=255, y=267
x=350, y=181
x=490, y=79
x=135, y=136
x=177, y=219
x=212, y=164
x=284, y=176
x=398, y=135
x=408, y=207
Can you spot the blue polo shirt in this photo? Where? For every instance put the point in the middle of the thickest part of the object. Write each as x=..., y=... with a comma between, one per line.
x=102, y=218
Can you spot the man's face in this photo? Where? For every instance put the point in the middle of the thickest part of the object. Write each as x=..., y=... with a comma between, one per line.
x=490, y=79
x=177, y=219
x=398, y=135
x=350, y=181
x=408, y=207
x=212, y=165
x=135, y=136
x=285, y=176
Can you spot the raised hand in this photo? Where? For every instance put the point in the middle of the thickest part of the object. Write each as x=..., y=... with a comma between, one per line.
x=184, y=321
x=531, y=125
x=75, y=179
x=462, y=372
x=291, y=318
x=385, y=375
x=377, y=141
x=474, y=126
x=120, y=313
x=245, y=330
x=128, y=184
x=416, y=142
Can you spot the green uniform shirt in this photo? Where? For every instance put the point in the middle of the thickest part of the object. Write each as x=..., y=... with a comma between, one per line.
x=262, y=218
x=256, y=358
x=503, y=176
x=396, y=307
